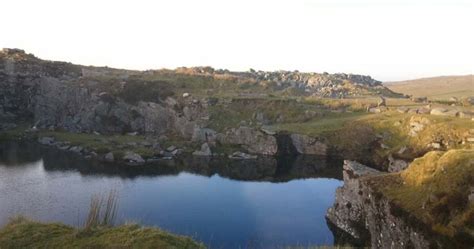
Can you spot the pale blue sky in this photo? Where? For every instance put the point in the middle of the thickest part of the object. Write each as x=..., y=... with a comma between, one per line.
x=389, y=40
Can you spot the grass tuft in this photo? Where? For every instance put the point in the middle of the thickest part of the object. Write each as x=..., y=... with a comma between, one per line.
x=102, y=211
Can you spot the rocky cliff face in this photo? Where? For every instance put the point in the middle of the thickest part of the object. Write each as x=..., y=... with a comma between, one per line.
x=57, y=95
x=61, y=95
x=372, y=220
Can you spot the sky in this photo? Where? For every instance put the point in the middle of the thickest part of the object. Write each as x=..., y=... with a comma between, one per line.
x=387, y=39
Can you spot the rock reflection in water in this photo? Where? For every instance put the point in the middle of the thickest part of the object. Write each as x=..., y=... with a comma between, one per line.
x=271, y=169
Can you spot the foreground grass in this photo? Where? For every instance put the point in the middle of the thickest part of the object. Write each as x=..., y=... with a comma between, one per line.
x=22, y=233
x=435, y=188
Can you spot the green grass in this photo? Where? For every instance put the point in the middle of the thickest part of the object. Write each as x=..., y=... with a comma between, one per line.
x=273, y=109
x=331, y=122
x=22, y=233
x=13, y=134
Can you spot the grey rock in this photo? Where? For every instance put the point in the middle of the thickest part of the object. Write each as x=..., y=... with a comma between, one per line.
x=307, y=145
x=466, y=114
x=267, y=131
x=438, y=111
x=396, y=165
x=109, y=157
x=436, y=146
x=471, y=195
x=417, y=124
x=403, y=109
x=176, y=152
x=378, y=109
x=46, y=140
x=254, y=141
x=453, y=99
x=133, y=157
x=452, y=113
x=146, y=144
x=204, y=151
x=242, y=156
x=367, y=216
x=402, y=150
x=171, y=148
x=204, y=135
x=424, y=110
x=64, y=147
x=171, y=101
x=76, y=149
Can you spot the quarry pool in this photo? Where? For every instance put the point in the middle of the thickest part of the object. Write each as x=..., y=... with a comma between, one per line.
x=265, y=203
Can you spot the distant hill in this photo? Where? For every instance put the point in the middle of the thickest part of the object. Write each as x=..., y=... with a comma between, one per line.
x=440, y=88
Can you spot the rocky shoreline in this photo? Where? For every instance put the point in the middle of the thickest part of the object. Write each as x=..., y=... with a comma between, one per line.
x=254, y=142
x=363, y=216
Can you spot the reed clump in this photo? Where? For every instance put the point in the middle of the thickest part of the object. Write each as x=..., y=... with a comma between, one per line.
x=102, y=210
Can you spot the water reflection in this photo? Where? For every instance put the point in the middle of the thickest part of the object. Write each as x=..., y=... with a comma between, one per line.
x=226, y=204
x=263, y=169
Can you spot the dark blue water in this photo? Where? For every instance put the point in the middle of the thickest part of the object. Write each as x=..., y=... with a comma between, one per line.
x=255, y=204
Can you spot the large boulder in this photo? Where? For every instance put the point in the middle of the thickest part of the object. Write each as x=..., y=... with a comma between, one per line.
x=254, y=141
x=133, y=158
x=438, y=111
x=308, y=145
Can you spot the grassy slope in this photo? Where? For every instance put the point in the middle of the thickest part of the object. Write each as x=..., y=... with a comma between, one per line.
x=21, y=233
x=439, y=88
x=352, y=134
x=435, y=189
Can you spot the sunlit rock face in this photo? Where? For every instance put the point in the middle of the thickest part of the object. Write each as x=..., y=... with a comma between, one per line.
x=363, y=216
